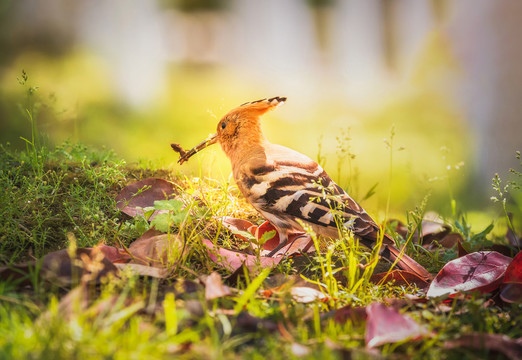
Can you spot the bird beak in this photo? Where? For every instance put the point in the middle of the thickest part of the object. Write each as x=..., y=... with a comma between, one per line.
x=209, y=141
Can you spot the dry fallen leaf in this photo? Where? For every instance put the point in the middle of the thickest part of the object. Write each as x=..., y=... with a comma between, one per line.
x=157, y=249
x=386, y=325
x=512, y=348
x=297, y=242
x=479, y=271
x=214, y=287
x=134, y=197
x=114, y=254
x=355, y=314
x=400, y=277
x=305, y=294
x=233, y=260
x=143, y=270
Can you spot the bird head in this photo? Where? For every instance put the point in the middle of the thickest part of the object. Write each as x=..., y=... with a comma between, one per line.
x=239, y=127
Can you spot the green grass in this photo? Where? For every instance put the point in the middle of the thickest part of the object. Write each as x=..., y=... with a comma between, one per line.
x=68, y=193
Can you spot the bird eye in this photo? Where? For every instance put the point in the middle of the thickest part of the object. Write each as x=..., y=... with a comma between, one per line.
x=223, y=125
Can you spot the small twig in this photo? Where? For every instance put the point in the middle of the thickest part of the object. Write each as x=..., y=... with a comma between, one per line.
x=177, y=148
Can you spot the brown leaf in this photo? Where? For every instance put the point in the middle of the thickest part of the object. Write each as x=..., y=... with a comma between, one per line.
x=447, y=242
x=143, y=270
x=248, y=323
x=386, y=325
x=306, y=294
x=156, y=249
x=214, y=287
x=134, y=197
x=461, y=250
x=89, y=265
x=501, y=248
x=512, y=293
x=433, y=230
x=113, y=254
x=233, y=260
x=400, y=278
x=355, y=314
x=479, y=271
x=406, y=263
x=512, y=348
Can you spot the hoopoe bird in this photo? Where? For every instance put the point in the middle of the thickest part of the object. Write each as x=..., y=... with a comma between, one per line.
x=285, y=186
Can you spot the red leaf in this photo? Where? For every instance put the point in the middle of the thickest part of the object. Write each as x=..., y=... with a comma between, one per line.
x=400, y=277
x=236, y=225
x=479, y=271
x=265, y=227
x=494, y=342
x=387, y=325
x=233, y=260
x=298, y=242
x=132, y=199
x=461, y=250
x=514, y=270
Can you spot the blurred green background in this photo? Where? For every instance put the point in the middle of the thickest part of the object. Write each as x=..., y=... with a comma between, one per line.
x=136, y=75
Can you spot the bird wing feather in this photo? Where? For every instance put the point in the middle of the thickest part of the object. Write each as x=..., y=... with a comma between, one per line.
x=288, y=184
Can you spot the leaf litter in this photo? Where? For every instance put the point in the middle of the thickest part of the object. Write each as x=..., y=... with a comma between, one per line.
x=156, y=252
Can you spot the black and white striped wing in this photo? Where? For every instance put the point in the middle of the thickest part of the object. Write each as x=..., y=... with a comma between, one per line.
x=285, y=191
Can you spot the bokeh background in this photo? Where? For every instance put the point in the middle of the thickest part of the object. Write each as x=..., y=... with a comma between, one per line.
x=443, y=76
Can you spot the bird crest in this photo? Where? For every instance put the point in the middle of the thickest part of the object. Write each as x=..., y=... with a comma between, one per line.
x=261, y=106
